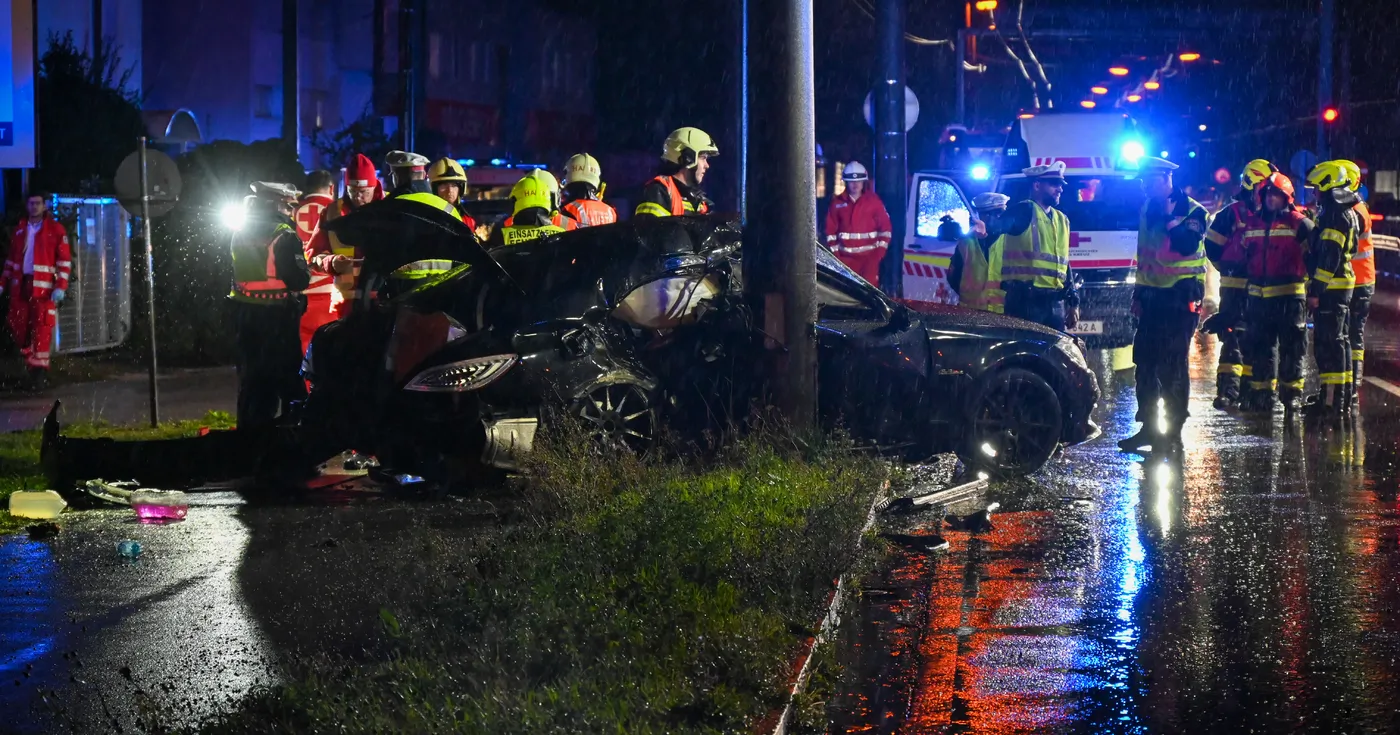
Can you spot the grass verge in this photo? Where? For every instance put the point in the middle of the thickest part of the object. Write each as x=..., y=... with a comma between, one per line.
x=19, y=453
x=630, y=595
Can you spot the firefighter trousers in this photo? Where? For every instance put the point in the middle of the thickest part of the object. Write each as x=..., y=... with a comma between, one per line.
x=1160, y=352
x=1042, y=306
x=1356, y=331
x=1232, y=366
x=1276, y=330
x=269, y=361
x=31, y=323
x=1331, y=348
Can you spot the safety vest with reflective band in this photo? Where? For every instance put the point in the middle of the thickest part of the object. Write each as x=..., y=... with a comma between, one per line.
x=591, y=212
x=255, y=278
x=1276, y=267
x=980, y=286
x=513, y=235
x=1233, y=263
x=1040, y=255
x=1158, y=265
x=558, y=219
x=1344, y=279
x=679, y=204
x=421, y=269
x=1363, y=264
x=432, y=200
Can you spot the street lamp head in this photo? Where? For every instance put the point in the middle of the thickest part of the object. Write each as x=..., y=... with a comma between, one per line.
x=1099, y=90
x=1118, y=71
x=1152, y=85
x=1189, y=56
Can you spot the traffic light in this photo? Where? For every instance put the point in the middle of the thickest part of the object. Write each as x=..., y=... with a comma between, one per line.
x=1330, y=114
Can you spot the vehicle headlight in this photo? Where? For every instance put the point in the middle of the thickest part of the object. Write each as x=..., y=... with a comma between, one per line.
x=1069, y=347
x=463, y=376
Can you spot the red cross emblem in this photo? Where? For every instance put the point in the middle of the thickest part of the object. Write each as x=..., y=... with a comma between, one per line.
x=1075, y=238
x=307, y=218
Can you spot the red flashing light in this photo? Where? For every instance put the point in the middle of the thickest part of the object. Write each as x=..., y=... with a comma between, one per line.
x=1189, y=56
x=1330, y=114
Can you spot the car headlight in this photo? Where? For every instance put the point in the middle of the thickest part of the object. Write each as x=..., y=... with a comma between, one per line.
x=1069, y=347
x=463, y=376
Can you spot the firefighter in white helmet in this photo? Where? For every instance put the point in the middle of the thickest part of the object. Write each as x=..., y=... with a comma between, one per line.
x=685, y=157
x=858, y=225
x=583, y=192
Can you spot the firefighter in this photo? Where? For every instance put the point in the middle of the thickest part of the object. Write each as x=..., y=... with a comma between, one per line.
x=583, y=192
x=1363, y=265
x=449, y=183
x=1225, y=249
x=327, y=255
x=1329, y=288
x=975, y=270
x=36, y=275
x=1036, y=275
x=408, y=173
x=269, y=274
x=536, y=211
x=858, y=225
x=1275, y=241
x=1171, y=283
x=320, y=307
x=685, y=157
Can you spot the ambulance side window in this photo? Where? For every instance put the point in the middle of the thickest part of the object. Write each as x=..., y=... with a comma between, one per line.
x=938, y=197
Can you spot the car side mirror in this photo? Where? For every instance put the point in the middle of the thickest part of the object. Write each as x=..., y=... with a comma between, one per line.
x=899, y=319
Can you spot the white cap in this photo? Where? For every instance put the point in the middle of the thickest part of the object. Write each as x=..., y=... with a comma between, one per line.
x=1152, y=163
x=990, y=200
x=854, y=172
x=406, y=159
x=1055, y=170
x=274, y=190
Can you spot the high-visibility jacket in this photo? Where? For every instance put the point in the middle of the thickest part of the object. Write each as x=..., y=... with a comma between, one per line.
x=856, y=226
x=675, y=205
x=564, y=222
x=307, y=219
x=255, y=266
x=325, y=245
x=590, y=212
x=1332, y=248
x=980, y=285
x=1040, y=255
x=420, y=270
x=1363, y=264
x=1275, y=249
x=1225, y=245
x=52, y=259
x=434, y=201
x=513, y=235
x=1159, y=265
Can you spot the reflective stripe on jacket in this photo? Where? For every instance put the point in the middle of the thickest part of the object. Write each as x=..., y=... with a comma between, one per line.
x=1159, y=266
x=513, y=235
x=590, y=212
x=255, y=266
x=53, y=258
x=1363, y=264
x=1275, y=253
x=307, y=219
x=856, y=226
x=1040, y=255
x=679, y=205
x=980, y=285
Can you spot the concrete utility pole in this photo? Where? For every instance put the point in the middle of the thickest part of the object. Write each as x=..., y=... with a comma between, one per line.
x=1324, y=77
x=291, y=78
x=890, y=176
x=780, y=241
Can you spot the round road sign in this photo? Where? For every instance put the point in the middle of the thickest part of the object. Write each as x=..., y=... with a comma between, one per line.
x=162, y=179
x=911, y=109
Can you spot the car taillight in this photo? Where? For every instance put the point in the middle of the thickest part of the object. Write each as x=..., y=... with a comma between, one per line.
x=462, y=376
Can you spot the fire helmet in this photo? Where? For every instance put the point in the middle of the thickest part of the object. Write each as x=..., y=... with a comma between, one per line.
x=684, y=146
x=583, y=168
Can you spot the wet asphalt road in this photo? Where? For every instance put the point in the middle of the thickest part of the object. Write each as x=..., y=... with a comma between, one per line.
x=1250, y=586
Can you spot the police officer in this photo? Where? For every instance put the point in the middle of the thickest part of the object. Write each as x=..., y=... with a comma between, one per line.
x=269, y=274
x=583, y=192
x=1330, y=284
x=1275, y=240
x=536, y=203
x=1171, y=282
x=1035, y=269
x=1225, y=249
x=975, y=270
x=685, y=157
x=408, y=173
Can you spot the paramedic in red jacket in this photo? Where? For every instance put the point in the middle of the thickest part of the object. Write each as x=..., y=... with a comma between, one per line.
x=36, y=277
x=857, y=225
x=320, y=187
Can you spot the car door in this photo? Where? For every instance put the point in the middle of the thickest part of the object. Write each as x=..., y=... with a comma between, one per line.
x=926, y=258
x=873, y=363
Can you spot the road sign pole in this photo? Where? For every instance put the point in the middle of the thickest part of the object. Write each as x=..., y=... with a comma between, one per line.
x=150, y=283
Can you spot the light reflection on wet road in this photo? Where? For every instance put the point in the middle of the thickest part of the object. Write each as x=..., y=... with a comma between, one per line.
x=1249, y=584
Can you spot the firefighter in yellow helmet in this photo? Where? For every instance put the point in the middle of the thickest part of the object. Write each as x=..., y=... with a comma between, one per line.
x=449, y=182
x=536, y=211
x=1363, y=266
x=583, y=192
x=1330, y=285
x=685, y=157
x=1225, y=249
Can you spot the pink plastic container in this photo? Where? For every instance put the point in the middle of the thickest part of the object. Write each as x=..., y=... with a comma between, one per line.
x=158, y=506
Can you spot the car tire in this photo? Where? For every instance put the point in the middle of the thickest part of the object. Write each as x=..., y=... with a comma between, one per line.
x=1015, y=424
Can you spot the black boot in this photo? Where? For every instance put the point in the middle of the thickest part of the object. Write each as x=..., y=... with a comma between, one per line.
x=38, y=379
x=1224, y=403
x=1144, y=438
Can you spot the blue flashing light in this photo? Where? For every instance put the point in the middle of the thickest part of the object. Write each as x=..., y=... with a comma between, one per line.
x=1192, y=154
x=1132, y=152
x=1165, y=154
x=498, y=162
x=467, y=161
x=981, y=172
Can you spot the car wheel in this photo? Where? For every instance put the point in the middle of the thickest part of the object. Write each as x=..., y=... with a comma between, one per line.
x=1016, y=424
x=620, y=415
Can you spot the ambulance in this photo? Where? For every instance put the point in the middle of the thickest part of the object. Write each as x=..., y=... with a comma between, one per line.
x=1102, y=201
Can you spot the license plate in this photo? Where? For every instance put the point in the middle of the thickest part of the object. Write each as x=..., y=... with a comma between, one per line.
x=1087, y=327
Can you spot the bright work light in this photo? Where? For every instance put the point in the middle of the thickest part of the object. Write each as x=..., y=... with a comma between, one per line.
x=233, y=216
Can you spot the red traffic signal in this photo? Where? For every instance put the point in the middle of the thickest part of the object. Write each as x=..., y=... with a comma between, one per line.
x=1330, y=114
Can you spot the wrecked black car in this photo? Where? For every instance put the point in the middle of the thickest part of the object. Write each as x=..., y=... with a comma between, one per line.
x=643, y=327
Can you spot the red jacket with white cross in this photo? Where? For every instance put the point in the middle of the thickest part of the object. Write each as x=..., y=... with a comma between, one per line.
x=53, y=259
